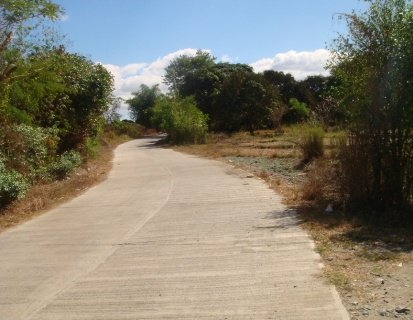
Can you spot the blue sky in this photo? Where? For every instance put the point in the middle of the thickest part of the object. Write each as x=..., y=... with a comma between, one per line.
x=136, y=39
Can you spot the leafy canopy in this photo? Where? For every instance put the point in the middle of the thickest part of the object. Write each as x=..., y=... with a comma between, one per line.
x=142, y=102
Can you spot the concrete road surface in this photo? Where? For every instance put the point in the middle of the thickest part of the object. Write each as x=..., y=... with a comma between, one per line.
x=166, y=236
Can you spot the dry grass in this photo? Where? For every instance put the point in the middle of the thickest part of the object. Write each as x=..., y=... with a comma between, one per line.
x=41, y=198
x=322, y=186
x=356, y=256
x=262, y=144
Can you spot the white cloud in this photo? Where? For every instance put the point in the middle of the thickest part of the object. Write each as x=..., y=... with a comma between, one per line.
x=131, y=69
x=228, y=58
x=299, y=64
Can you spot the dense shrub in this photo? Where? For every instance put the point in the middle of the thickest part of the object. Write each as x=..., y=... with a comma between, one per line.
x=65, y=164
x=297, y=112
x=39, y=148
x=13, y=186
x=28, y=149
x=181, y=119
x=130, y=129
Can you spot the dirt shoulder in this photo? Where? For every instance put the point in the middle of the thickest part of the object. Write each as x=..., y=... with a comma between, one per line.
x=371, y=267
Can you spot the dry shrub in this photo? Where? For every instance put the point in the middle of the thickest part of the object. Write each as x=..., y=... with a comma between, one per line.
x=311, y=142
x=216, y=137
x=355, y=160
x=323, y=183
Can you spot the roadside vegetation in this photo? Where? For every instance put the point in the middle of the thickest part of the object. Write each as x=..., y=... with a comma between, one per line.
x=57, y=112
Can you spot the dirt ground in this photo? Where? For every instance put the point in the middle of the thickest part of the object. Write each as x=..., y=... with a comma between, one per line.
x=371, y=267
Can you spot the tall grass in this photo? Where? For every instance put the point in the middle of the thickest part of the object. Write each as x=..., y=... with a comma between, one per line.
x=310, y=139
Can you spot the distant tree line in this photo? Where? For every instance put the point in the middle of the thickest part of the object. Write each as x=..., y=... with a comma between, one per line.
x=235, y=98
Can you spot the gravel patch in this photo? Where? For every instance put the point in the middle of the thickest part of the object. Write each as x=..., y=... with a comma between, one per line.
x=285, y=168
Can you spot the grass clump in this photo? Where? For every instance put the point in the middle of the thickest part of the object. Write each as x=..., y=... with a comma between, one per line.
x=311, y=142
x=310, y=139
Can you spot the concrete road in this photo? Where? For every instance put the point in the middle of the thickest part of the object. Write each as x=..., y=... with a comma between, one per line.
x=166, y=236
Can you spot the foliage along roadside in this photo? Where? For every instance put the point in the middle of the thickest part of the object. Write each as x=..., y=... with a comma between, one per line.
x=181, y=119
x=53, y=102
x=45, y=195
x=374, y=66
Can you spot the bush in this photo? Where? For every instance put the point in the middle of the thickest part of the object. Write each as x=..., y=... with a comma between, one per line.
x=29, y=150
x=322, y=185
x=130, y=129
x=65, y=164
x=35, y=140
x=91, y=147
x=297, y=112
x=13, y=186
x=181, y=119
x=310, y=140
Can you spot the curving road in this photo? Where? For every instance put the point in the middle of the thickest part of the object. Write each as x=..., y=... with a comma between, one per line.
x=166, y=236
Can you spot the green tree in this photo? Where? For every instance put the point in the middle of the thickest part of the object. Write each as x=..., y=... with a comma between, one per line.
x=323, y=105
x=181, y=70
x=79, y=110
x=298, y=111
x=206, y=86
x=245, y=101
x=232, y=95
x=142, y=102
x=288, y=86
x=61, y=90
x=181, y=119
x=374, y=64
x=34, y=85
x=20, y=22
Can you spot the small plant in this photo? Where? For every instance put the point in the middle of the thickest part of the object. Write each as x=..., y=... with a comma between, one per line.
x=65, y=164
x=92, y=147
x=13, y=186
x=339, y=279
x=311, y=142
